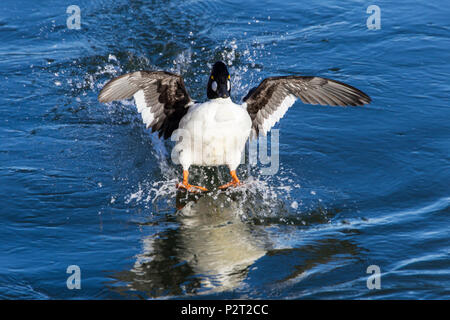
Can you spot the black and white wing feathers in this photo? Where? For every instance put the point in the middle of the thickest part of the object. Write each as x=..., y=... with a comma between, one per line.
x=267, y=103
x=161, y=97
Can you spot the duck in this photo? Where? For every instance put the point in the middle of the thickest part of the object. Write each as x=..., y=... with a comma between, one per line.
x=214, y=132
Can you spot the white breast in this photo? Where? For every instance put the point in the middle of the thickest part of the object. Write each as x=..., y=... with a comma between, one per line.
x=214, y=133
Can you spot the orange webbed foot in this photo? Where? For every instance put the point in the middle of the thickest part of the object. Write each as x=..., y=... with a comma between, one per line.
x=234, y=183
x=189, y=187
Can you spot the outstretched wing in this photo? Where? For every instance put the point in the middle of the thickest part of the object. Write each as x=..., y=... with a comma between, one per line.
x=161, y=97
x=267, y=103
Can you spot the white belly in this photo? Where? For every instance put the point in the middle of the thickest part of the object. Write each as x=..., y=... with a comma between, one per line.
x=213, y=133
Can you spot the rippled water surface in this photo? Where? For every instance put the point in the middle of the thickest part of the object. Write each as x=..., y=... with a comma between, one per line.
x=84, y=183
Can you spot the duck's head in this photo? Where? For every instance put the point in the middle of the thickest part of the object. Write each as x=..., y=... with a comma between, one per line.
x=219, y=85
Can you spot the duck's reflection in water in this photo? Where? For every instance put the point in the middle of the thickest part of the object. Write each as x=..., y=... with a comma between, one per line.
x=218, y=244
x=207, y=248
x=211, y=251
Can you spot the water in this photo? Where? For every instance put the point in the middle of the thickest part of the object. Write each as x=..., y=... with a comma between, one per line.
x=83, y=183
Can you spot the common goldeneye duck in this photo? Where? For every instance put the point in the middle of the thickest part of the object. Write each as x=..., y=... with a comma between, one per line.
x=214, y=132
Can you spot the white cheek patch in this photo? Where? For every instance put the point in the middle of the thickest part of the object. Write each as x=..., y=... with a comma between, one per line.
x=228, y=85
x=214, y=86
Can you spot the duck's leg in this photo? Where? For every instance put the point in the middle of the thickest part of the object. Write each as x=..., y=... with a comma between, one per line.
x=185, y=184
x=234, y=183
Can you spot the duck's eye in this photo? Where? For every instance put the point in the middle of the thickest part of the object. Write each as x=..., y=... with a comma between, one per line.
x=228, y=85
x=214, y=86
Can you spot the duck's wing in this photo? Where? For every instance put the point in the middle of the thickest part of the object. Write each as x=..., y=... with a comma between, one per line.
x=161, y=97
x=267, y=103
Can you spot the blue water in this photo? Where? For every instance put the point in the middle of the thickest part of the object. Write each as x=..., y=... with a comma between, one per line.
x=84, y=183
